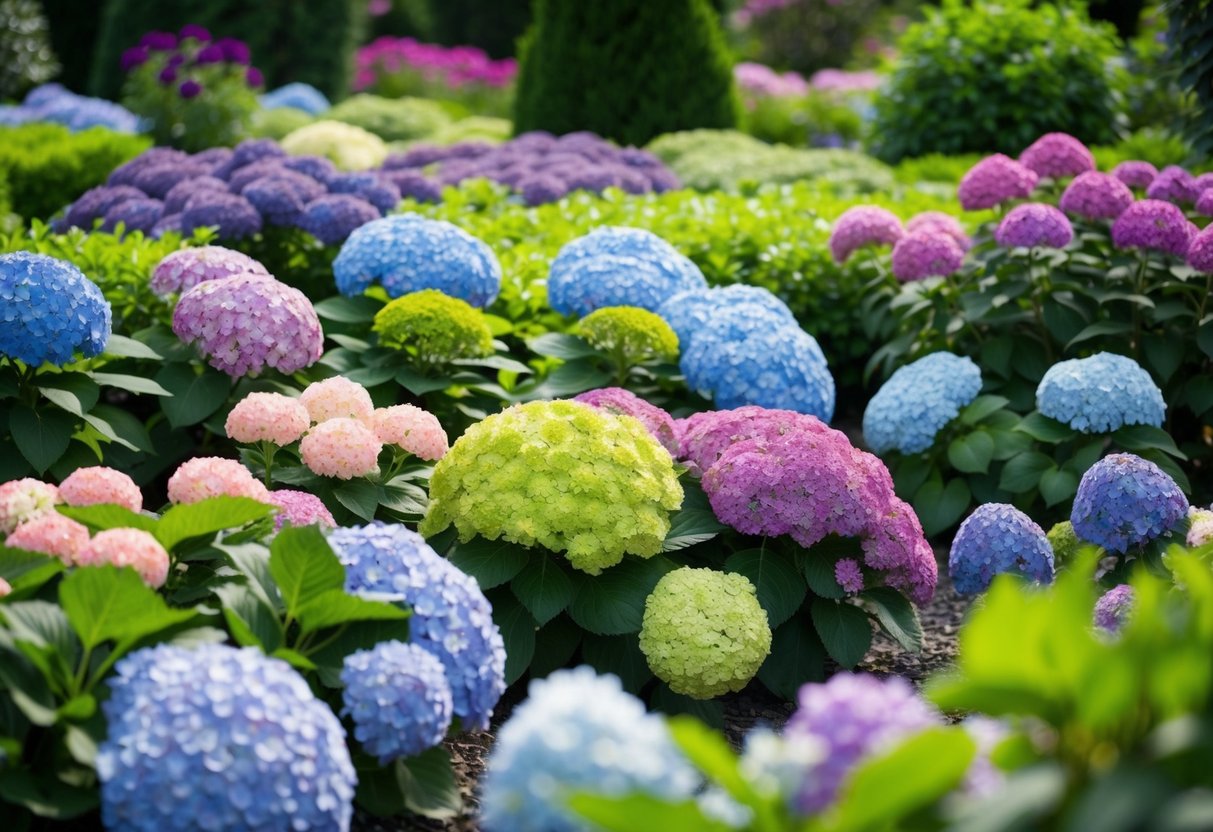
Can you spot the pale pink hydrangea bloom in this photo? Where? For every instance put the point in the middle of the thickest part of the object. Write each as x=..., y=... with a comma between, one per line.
x=211, y=476
x=298, y=508
x=25, y=499
x=5, y=589
x=342, y=448
x=128, y=547
x=51, y=534
x=337, y=398
x=1200, y=531
x=268, y=417
x=99, y=484
x=415, y=430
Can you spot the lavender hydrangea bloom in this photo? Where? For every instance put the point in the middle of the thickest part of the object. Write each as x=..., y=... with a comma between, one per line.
x=134, y=214
x=863, y=225
x=540, y=188
x=1204, y=203
x=185, y=269
x=247, y=152
x=317, y=167
x=1135, y=174
x=1096, y=196
x=1034, y=224
x=1124, y=501
x=614, y=266
x=626, y=403
x=398, y=697
x=1113, y=608
x=247, y=323
x=125, y=173
x=918, y=401
x=50, y=310
x=96, y=202
x=331, y=219
x=220, y=738
x=690, y=311
x=233, y=216
x=1153, y=224
x=276, y=199
x=298, y=96
x=181, y=193
x=166, y=224
x=407, y=253
x=1057, y=155
x=855, y=716
x=372, y=187
x=998, y=538
x=994, y=180
x=157, y=180
x=577, y=731
x=1100, y=394
x=1173, y=184
x=414, y=185
x=1200, y=251
x=54, y=103
x=451, y=617
x=924, y=254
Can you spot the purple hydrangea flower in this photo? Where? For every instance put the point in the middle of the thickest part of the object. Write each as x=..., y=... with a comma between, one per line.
x=157, y=180
x=125, y=173
x=244, y=176
x=375, y=189
x=134, y=214
x=317, y=167
x=1204, y=203
x=703, y=437
x=246, y=323
x=193, y=30
x=1034, y=224
x=1124, y=502
x=1200, y=251
x=540, y=188
x=994, y=180
x=233, y=216
x=177, y=197
x=1113, y=608
x=183, y=270
x=1096, y=196
x=299, y=508
x=1173, y=184
x=1153, y=224
x=863, y=225
x=254, y=77
x=626, y=403
x=414, y=185
x=332, y=218
x=247, y=152
x=940, y=223
x=848, y=575
x=166, y=224
x=278, y=202
x=896, y=546
x=209, y=55
x=924, y=254
x=236, y=51
x=96, y=202
x=998, y=538
x=213, y=156
x=134, y=57
x=1057, y=155
x=167, y=76
x=1135, y=174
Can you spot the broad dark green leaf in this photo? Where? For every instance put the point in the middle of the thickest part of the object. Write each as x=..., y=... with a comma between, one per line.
x=939, y=507
x=430, y=789
x=74, y=392
x=360, y=497
x=619, y=655
x=781, y=588
x=355, y=310
x=491, y=562
x=690, y=526
x=41, y=435
x=981, y=407
x=131, y=384
x=643, y=813
x=1022, y=473
x=797, y=656
x=971, y=453
x=844, y=630
x=1042, y=428
x=252, y=622
x=1058, y=485
x=195, y=396
x=896, y=614
x=612, y=603
x=544, y=587
x=561, y=345
x=517, y=630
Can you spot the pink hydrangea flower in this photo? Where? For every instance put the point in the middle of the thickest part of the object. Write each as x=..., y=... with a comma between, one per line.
x=298, y=508
x=1153, y=224
x=188, y=267
x=1034, y=224
x=994, y=180
x=1173, y=184
x=1096, y=196
x=863, y=225
x=1204, y=203
x=268, y=417
x=1135, y=174
x=1057, y=155
x=1200, y=251
x=704, y=437
x=99, y=484
x=940, y=223
x=335, y=398
x=51, y=534
x=415, y=430
x=128, y=547
x=895, y=545
x=848, y=575
x=342, y=448
x=211, y=476
x=23, y=500
x=924, y=254
x=626, y=403
x=5, y=589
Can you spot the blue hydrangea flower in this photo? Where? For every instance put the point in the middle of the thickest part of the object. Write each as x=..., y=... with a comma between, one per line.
x=451, y=617
x=994, y=539
x=747, y=355
x=220, y=738
x=918, y=401
x=613, y=266
x=55, y=103
x=1113, y=609
x=1124, y=501
x=408, y=253
x=49, y=309
x=577, y=731
x=688, y=312
x=298, y=96
x=399, y=698
x=1100, y=394
x=332, y=218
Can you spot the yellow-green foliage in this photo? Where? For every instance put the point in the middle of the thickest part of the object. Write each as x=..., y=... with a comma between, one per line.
x=391, y=119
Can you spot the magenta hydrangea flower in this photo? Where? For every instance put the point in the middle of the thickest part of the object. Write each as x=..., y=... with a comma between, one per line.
x=896, y=546
x=185, y=269
x=1200, y=250
x=1034, y=224
x=1173, y=184
x=1113, y=608
x=863, y=225
x=1135, y=174
x=940, y=223
x=994, y=180
x=415, y=430
x=924, y=254
x=127, y=547
x=247, y=323
x=298, y=508
x=849, y=575
x=704, y=437
x=23, y=500
x=1056, y=156
x=211, y=476
x=51, y=534
x=99, y=484
x=1153, y=224
x=341, y=448
x=1096, y=196
x=626, y=403
x=1204, y=203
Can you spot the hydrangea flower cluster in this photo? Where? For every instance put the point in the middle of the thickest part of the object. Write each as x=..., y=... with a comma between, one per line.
x=923, y=254
x=940, y=223
x=1057, y=156
x=51, y=534
x=127, y=547
x=704, y=632
x=1100, y=393
x=998, y=538
x=994, y=180
x=1113, y=608
x=454, y=67
x=1034, y=224
x=1135, y=174
x=240, y=742
x=1064, y=542
x=342, y=448
x=398, y=697
x=1200, y=528
x=408, y=252
x=247, y=323
x=1200, y=251
x=760, y=81
x=561, y=475
x=434, y=328
x=297, y=96
x=1173, y=184
x=99, y=484
x=863, y=225
x=415, y=430
x=299, y=508
x=24, y=499
x=55, y=104
x=613, y=266
x=267, y=417
x=1124, y=501
x=853, y=716
x=1204, y=203
x=1096, y=196
x=337, y=397
x=918, y=401
x=5, y=588
x=849, y=575
x=634, y=335
x=334, y=217
x=347, y=146
x=690, y=311
x=210, y=476
x=184, y=269
x=623, y=402
x=50, y=310
x=451, y=618
x=577, y=731
x=1153, y=224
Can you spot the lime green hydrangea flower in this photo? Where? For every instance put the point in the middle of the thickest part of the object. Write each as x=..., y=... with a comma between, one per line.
x=704, y=632
x=1065, y=542
x=346, y=146
x=561, y=475
x=630, y=335
x=434, y=327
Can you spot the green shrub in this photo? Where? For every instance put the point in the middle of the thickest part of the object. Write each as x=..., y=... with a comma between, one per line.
x=995, y=76
x=1150, y=145
x=815, y=119
x=47, y=166
x=494, y=27
x=26, y=59
x=808, y=35
x=278, y=122
x=1190, y=32
x=473, y=129
x=628, y=70
x=391, y=119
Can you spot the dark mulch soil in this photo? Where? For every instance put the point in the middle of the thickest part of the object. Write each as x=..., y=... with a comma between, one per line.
x=753, y=706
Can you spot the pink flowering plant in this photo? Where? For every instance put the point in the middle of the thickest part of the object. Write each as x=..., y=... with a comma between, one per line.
x=399, y=67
